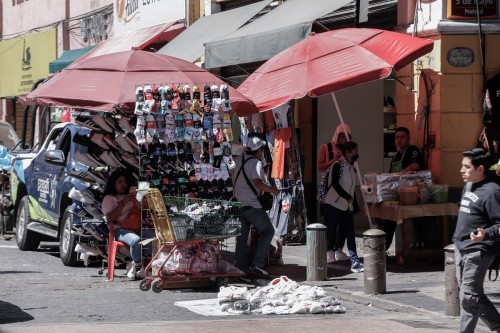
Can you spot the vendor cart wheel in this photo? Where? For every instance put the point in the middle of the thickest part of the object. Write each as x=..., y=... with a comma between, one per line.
x=221, y=282
x=145, y=285
x=100, y=272
x=157, y=286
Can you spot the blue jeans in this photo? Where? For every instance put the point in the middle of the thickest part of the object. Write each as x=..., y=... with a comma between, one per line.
x=471, y=268
x=133, y=241
x=262, y=223
x=333, y=216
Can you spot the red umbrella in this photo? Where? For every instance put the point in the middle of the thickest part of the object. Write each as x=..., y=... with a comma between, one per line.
x=325, y=62
x=109, y=81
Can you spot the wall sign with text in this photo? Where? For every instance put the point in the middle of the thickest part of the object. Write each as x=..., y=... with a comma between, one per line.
x=467, y=9
x=460, y=56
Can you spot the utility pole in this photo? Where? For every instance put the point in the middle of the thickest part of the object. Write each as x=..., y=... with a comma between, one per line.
x=65, y=26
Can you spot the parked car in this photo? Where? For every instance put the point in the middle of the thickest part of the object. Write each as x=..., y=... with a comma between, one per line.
x=40, y=184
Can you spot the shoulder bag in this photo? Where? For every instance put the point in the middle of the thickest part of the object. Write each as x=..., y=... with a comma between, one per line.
x=266, y=199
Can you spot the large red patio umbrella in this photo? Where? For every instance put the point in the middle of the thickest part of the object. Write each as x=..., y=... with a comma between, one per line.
x=109, y=81
x=326, y=62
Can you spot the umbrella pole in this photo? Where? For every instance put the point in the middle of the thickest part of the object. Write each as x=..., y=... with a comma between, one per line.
x=355, y=163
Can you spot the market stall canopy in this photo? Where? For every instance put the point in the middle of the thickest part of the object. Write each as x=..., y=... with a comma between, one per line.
x=329, y=61
x=109, y=81
x=139, y=39
x=189, y=45
x=270, y=34
x=67, y=58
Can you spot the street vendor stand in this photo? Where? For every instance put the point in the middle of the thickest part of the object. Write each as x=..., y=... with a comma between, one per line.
x=406, y=252
x=190, y=233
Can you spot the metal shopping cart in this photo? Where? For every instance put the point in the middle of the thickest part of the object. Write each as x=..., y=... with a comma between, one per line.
x=189, y=233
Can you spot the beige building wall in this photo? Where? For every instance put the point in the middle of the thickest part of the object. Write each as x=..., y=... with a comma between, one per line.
x=457, y=92
x=456, y=95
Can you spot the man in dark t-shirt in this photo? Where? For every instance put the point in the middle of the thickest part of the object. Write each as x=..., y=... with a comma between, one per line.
x=477, y=240
x=406, y=159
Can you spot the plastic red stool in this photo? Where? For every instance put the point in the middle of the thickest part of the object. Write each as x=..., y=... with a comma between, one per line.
x=113, y=246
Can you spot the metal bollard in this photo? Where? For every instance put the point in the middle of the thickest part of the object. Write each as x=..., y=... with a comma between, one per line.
x=316, y=252
x=452, y=301
x=375, y=261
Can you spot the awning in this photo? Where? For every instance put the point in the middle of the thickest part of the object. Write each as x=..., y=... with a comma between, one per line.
x=189, y=45
x=66, y=58
x=139, y=39
x=270, y=34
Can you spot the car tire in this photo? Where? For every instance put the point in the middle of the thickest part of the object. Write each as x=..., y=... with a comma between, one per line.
x=67, y=240
x=27, y=240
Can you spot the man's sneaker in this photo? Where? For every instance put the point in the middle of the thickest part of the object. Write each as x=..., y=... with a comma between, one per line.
x=110, y=159
x=130, y=160
x=330, y=257
x=91, y=229
x=125, y=125
x=77, y=210
x=124, y=144
x=95, y=212
x=114, y=125
x=87, y=159
x=103, y=124
x=141, y=274
x=357, y=267
x=340, y=255
x=131, y=272
x=258, y=270
x=98, y=139
x=83, y=196
x=87, y=121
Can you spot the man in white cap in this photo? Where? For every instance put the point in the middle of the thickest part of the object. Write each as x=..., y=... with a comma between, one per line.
x=249, y=181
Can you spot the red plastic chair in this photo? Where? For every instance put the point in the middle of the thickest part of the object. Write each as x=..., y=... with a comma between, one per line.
x=113, y=246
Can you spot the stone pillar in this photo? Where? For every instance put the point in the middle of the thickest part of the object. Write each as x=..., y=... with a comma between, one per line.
x=374, y=255
x=316, y=252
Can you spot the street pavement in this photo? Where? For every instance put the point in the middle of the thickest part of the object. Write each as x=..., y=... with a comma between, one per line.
x=414, y=302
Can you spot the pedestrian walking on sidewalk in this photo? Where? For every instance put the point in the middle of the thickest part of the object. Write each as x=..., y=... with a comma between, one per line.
x=477, y=240
x=340, y=201
x=328, y=154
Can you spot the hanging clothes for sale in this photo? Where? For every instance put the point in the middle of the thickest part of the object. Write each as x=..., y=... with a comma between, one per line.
x=281, y=138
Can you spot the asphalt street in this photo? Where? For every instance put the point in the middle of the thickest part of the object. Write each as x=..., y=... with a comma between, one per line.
x=39, y=294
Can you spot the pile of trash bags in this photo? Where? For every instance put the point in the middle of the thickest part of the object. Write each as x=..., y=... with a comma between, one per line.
x=281, y=296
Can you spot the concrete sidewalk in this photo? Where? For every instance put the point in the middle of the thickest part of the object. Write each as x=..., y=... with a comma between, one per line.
x=418, y=290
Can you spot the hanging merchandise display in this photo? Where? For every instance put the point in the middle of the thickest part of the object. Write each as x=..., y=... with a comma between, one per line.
x=185, y=140
x=288, y=213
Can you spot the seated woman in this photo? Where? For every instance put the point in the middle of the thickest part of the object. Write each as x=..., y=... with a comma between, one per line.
x=122, y=209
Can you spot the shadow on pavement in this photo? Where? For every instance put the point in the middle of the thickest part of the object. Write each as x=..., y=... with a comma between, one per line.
x=10, y=313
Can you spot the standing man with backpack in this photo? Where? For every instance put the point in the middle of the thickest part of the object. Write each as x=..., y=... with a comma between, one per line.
x=327, y=155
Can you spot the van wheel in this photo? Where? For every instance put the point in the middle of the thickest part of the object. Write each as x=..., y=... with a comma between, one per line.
x=67, y=240
x=27, y=240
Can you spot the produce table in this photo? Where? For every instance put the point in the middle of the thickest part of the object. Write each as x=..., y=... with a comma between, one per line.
x=406, y=253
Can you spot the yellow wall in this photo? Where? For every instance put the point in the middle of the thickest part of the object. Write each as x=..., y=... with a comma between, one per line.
x=17, y=74
x=455, y=102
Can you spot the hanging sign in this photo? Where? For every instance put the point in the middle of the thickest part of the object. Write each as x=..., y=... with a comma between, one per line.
x=132, y=15
x=467, y=9
x=460, y=56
